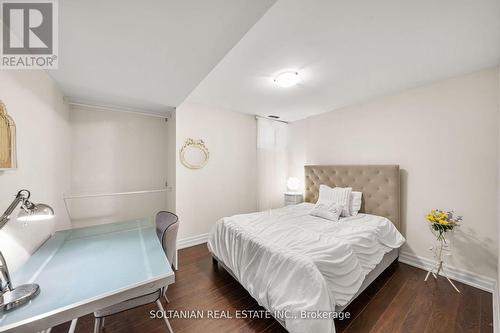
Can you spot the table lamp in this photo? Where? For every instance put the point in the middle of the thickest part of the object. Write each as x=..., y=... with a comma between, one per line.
x=293, y=184
x=13, y=297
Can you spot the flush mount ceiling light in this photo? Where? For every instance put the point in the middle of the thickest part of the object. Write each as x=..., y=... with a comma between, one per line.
x=287, y=79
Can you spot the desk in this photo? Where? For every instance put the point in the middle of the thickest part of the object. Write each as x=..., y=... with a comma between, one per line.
x=83, y=270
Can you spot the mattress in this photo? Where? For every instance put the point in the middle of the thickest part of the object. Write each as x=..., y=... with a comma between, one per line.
x=301, y=267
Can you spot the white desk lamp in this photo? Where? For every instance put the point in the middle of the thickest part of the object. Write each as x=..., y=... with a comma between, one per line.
x=13, y=297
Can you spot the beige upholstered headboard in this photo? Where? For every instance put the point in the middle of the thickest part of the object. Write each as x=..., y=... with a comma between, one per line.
x=379, y=184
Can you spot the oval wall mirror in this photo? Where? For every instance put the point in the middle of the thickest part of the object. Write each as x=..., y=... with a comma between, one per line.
x=194, y=154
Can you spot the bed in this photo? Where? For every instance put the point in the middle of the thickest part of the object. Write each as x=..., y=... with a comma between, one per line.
x=303, y=269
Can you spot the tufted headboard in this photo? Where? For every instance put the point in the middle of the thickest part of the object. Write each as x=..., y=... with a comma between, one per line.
x=379, y=184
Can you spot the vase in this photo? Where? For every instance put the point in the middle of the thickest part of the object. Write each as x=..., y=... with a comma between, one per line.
x=438, y=249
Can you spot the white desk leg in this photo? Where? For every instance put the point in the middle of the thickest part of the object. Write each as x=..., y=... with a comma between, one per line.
x=165, y=294
x=176, y=260
x=72, y=327
x=158, y=302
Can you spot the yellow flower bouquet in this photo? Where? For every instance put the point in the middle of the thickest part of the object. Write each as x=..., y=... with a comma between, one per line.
x=442, y=221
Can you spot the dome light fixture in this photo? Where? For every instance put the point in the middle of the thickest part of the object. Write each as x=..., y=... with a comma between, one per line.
x=287, y=79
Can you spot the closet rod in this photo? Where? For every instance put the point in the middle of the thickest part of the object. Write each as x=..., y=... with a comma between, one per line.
x=112, y=194
x=117, y=108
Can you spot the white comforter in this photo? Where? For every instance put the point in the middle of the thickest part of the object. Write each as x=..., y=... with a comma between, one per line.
x=291, y=261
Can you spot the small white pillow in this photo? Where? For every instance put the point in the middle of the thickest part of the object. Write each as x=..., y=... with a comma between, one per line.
x=330, y=211
x=337, y=195
x=355, y=202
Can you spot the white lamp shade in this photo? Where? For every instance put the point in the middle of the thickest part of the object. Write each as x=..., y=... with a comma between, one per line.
x=293, y=184
x=287, y=79
x=39, y=213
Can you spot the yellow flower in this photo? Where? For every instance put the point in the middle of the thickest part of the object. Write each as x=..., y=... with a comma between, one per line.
x=430, y=218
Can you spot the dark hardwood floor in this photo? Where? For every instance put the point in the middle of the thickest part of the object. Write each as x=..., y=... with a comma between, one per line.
x=398, y=301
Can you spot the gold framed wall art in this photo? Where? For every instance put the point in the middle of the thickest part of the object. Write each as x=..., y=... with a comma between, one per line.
x=7, y=139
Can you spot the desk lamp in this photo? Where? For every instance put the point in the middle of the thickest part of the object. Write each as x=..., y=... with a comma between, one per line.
x=13, y=297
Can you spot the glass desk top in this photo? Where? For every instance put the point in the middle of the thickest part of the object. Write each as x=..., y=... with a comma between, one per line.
x=76, y=268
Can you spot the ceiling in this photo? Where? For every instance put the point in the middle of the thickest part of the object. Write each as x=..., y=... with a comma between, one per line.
x=147, y=55
x=348, y=51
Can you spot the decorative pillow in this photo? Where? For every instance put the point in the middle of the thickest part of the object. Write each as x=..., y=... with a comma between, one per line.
x=337, y=195
x=330, y=211
x=355, y=203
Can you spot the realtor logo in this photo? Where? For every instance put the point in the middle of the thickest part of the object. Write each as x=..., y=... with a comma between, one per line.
x=29, y=34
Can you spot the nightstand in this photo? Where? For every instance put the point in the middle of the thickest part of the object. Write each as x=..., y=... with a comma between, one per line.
x=293, y=198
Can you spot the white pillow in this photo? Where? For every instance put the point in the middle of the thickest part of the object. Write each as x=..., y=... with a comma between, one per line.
x=327, y=210
x=355, y=202
x=338, y=195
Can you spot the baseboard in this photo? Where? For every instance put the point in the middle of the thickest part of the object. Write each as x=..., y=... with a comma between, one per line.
x=469, y=278
x=192, y=241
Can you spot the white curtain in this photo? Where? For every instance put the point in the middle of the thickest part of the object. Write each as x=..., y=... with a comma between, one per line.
x=272, y=162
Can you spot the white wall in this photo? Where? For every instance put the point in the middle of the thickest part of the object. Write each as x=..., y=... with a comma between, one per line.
x=36, y=105
x=227, y=184
x=116, y=152
x=497, y=322
x=445, y=138
x=171, y=161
